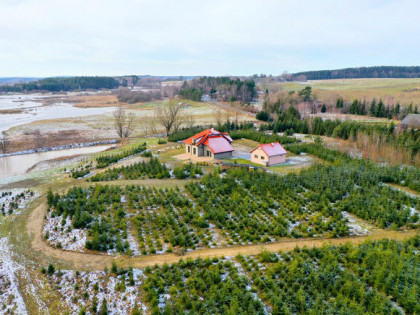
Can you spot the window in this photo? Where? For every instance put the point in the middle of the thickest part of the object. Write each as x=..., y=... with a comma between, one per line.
x=189, y=149
x=256, y=156
x=208, y=153
x=194, y=150
x=262, y=158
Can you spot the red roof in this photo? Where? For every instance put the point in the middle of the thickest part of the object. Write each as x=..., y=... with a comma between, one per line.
x=218, y=144
x=217, y=141
x=271, y=149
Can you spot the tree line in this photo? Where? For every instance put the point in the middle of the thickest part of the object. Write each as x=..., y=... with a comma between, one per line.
x=376, y=108
x=63, y=84
x=361, y=72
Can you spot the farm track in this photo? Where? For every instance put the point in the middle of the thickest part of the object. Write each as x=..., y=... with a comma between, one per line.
x=93, y=261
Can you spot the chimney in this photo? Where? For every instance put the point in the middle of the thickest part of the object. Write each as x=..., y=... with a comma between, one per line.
x=193, y=141
x=212, y=130
x=272, y=144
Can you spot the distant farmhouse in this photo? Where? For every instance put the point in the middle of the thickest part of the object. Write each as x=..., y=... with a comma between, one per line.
x=268, y=154
x=210, y=143
x=411, y=121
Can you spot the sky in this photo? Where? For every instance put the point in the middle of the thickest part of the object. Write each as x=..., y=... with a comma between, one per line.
x=194, y=37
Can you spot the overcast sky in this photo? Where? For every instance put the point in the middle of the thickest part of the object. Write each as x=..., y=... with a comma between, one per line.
x=195, y=37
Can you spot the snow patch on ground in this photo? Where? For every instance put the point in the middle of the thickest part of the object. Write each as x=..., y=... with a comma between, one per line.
x=74, y=240
x=354, y=227
x=11, y=301
x=134, y=247
x=70, y=284
x=15, y=200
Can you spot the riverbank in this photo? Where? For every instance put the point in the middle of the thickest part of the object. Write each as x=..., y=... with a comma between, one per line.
x=63, y=147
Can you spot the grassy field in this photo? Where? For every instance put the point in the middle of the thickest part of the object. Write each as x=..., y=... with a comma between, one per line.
x=391, y=91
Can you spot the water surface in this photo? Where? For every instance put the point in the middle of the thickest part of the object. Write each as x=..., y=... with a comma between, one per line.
x=32, y=109
x=19, y=164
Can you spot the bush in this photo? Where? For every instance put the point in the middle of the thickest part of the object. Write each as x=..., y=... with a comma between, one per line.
x=191, y=94
x=50, y=269
x=264, y=116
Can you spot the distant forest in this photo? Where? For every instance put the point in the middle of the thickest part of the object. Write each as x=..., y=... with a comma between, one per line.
x=362, y=72
x=64, y=84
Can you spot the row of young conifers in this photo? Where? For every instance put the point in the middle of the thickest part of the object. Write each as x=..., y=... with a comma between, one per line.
x=245, y=207
x=380, y=277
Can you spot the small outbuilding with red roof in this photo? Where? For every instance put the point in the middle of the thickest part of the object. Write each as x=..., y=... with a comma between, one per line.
x=210, y=143
x=268, y=154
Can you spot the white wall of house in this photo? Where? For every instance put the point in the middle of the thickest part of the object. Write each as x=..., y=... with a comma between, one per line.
x=200, y=151
x=258, y=156
x=192, y=149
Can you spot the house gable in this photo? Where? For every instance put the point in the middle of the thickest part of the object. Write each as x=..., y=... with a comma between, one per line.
x=209, y=140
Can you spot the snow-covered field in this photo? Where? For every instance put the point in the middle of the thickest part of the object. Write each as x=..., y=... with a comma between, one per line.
x=11, y=300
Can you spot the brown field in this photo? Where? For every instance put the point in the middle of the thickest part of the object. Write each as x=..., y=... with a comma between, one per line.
x=99, y=100
x=10, y=111
x=391, y=91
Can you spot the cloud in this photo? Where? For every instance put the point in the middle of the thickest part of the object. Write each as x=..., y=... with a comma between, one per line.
x=63, y=37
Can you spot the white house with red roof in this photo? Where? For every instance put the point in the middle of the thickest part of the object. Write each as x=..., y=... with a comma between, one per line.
x=210, y=143
x=268, y=154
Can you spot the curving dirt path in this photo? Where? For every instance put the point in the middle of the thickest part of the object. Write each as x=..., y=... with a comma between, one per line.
x=92, y=261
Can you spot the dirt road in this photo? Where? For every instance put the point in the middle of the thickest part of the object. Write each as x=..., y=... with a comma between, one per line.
x=92, y=261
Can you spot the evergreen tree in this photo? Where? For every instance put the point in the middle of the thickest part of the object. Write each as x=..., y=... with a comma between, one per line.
x=372, y=110
x=354, y=107
x=362, y=110
x=380, y=110
x=410, y=109
x=104, y=308
x=397, y=110
x=306, y=93
x=323, y=108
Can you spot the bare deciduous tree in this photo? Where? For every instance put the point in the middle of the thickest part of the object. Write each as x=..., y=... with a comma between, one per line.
x=152, y=124
x=144, y=124
x=218, y=114
x=169, y=115
x=124, y=124
x=228, y=115
x=189, y=121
